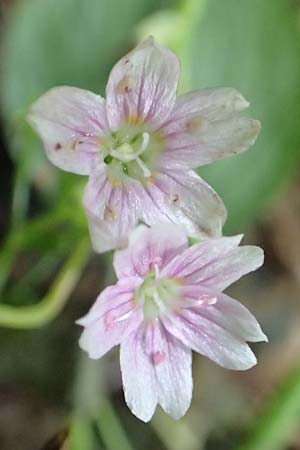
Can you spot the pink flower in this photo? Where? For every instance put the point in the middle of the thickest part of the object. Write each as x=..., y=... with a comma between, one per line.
x=139, y=146
x=167, y=302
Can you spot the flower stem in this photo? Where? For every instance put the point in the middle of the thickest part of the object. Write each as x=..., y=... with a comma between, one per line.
x=273, y=429
x=110, y=428
x=81, y=433
x=37, y=315
x=90, y=399
x=93, y=404
x=174, y=438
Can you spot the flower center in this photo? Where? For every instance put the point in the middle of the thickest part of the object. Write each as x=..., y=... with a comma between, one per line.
x=157, y=296
x=131, y=152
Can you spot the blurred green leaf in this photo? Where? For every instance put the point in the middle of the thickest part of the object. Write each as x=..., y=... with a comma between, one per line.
x=110, y=427
x=53, y=42
x=278, y=422
x=64, y=42
x=37, y=315
x=253, y=46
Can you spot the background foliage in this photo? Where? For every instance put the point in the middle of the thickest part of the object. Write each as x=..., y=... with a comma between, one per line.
x=251, y=45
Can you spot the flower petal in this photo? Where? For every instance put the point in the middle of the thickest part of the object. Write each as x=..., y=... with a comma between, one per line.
x=190, y=262
x=142, y=85
x=222, y=272
x=112, y=211
x=236, y=318
x=156, y=367
x=69, y=121
x=205, y=126
x=149, y=247
x=109, y=319
x=183, y=198
x=138, y=376
x=211, y=340
x=172, y=362
x=225, y=312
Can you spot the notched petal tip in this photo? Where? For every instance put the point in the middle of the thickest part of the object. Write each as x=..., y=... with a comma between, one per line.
x=252, y=129
x=85, y=345
x=149, y=41
x=264, y=337
x=258, y=256
x=240, y=102
x=238, y=238
x=82, y=321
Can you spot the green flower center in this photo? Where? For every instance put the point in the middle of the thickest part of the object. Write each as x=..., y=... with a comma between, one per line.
x=131, y=152
x=157, y=296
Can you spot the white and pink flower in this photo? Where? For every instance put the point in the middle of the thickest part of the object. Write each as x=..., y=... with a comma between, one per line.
x=167, y=302
x=139, y=146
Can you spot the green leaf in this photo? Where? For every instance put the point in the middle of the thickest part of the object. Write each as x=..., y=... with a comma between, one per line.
x=253, y=46
x=64, y=42
x=276, y=425
x=54, y=42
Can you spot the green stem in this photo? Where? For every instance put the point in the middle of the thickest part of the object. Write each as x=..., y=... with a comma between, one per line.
x=182, y=436
x=20, y=198
x=280, y=418
x=81, y=433
x=91, y=400
x=47, y=309
x=110, y=428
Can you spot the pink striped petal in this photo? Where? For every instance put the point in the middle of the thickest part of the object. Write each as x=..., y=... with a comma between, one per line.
x=190, y=262
x=70, y=121
x=112, y=211
x=110, y=319
x=172, y=362
x=211, y=340
x=223, y=311
x=149, y=248
x=156, y=367
x=138, y=375
x=221, y=273
x=142, y=85
x=205, y=126
x=183, y=198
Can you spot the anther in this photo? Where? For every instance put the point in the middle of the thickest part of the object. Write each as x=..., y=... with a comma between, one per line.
x=159, y=302
x=145, y=169
x=156, y=263
x=207, y=300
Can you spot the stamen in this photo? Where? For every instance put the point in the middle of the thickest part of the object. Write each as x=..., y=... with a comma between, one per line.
x=145, y=169
x=159, y=301
x=146, y=139
x=156, y=264
x=207, y=300
x=118, y=155
x=124, y=152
